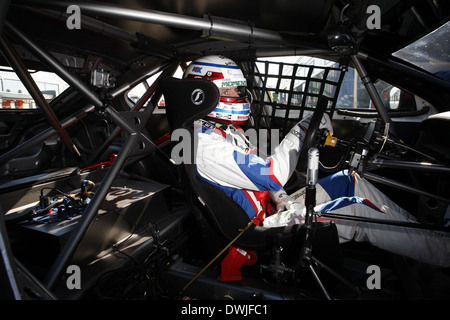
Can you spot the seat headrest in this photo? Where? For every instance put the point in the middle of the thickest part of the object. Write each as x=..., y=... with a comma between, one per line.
x=188, y=100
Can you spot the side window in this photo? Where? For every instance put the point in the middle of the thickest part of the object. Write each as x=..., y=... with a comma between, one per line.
x=285, y=89
x=15, y=96
x=353, y=95
x=294, y=83
x=138, y=91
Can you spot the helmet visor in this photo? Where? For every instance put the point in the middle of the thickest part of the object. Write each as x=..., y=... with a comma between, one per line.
x=233, y=92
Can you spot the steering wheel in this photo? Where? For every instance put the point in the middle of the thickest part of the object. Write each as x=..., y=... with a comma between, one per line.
x=311, y=134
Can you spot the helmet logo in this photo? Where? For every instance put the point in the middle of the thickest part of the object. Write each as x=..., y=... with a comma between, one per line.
x=197, y=69
x=197, y=96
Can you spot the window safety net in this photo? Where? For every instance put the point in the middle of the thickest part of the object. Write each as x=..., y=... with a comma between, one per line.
x=284, y=93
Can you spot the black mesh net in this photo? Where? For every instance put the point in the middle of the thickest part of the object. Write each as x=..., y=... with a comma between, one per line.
x=284, y=93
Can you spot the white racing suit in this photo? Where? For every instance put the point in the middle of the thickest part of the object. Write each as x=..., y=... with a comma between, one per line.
x=226, y=159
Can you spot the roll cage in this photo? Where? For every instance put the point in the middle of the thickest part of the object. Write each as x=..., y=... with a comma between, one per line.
x=130, y=125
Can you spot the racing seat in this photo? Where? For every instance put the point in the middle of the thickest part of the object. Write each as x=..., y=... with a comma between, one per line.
x=219, y=216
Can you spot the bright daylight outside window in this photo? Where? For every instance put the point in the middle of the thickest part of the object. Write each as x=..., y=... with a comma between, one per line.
x=352, y=93
x=15, y=96
x=138, y=91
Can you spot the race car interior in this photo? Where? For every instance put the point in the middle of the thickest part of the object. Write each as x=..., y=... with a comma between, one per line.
x=89, y=184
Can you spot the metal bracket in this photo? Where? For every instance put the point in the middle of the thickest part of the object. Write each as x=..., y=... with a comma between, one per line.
x=137, y=122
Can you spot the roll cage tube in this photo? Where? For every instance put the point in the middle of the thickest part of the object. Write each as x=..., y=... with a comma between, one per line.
x=135, y=143
x=311, y=140
x=372, y=91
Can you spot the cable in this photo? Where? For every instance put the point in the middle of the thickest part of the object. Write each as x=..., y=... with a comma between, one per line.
x=220, y=253
x=402, y=145
x=340, y=164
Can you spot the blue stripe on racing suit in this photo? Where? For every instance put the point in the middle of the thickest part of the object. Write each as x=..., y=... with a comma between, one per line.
x=340, y=184
x=257, y=170
x=343, y=202
x=237, y=195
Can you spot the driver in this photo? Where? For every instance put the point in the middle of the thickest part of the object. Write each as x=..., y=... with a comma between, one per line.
x=226, y=159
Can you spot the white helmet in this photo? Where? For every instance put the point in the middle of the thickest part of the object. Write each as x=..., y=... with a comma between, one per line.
x=233, y=106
